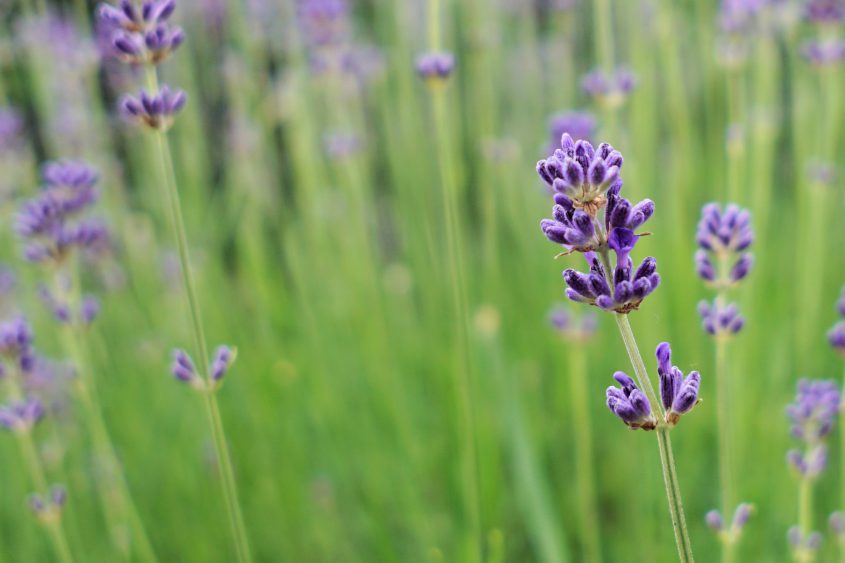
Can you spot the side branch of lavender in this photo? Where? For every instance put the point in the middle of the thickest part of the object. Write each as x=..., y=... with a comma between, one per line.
x=587, y=182
x=144, y=35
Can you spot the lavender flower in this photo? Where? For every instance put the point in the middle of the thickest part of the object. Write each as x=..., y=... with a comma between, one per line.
x=823, y=52
x=678, y=394
x=578, y=124
x=836, y=337
x=142, y=34
x=323, y=22
x=803, y=546
x=45, y=223
x=840, y=305
x=16, y=343
x=435, y=67
x=21, y=416
x=814, y=410
x=740, y=518
x=585, y=181
x=184, y=369
x=718, y=320
x=11, y=129
x=156, y=111
x=630, y=404
x=610, y=89
x=572, y=327
x=825, y=12
x=724, y=236
x=837, y=525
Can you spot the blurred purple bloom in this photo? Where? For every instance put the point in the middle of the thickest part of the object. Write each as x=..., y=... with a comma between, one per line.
x=836, y=337
x=718, y=319
x=837, y=524
x=822, y=52
x=630, y=404
x=810, y=464
x=16, y=343
x=724, y=238
x=609, y=88
x=714, y=520
x=21, y=416
x=678, y=394
x=183, y=367
x=573, y=327
x=435, y=66
x=323, y=22
x=578, y=124
x=825, y=12
x=223, y=359
x=814, y=410
x=154, y=110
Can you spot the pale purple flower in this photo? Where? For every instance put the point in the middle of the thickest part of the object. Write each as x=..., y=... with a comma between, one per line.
x=578, y=124
x=323, y=22
x=22, y=415
x=435, y=66
x=183, y=367
x=836, y=337
x=223, y=359
x=814, y=410
x=823, y=52
x=718, y=319
x=609, y=88
x=571, y=326
x=825, y=12
x=803, y=546
x=837, y=524
x=724, y=237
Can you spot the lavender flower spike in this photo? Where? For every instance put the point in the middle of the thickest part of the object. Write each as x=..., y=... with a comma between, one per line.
x=724, y=237
x=720, y=320
x=183, y=368
x=678, y=394
x=630, y=404
x=814, y=410
x=141, y=35
x=224, y=357
x=21, y=416
x=156, y=111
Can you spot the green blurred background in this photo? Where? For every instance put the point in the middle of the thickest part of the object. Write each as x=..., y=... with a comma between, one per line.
x=314, y=193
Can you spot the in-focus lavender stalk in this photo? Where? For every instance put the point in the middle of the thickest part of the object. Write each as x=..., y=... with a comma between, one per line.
x=722, y=261
x=591, y=217
x=146, y=36
x=812, y=416
x=576, y=331
x=18, y=363
x=57, y=234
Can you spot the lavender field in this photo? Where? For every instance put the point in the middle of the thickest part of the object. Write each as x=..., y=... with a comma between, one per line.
x=422, y=280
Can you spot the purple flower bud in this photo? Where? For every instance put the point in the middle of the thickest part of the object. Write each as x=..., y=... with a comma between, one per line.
x=677, y=394
x=89, y=309
x=741, y=268
x=741, y=515
x=714, y=520
x=836, y=337
x=435, y=66
x=155, y=111
x=629, y=403
x=223, y=359
x=36, y=503
x=183, y=367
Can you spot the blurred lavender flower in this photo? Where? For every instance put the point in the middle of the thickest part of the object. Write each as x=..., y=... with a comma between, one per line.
x=823, y=52
x=16, y=343
x=803, y=546
x=578, y=124
x=48, y=223
x=156, y=111
x=21, y=416
x=719, y=320
x=825, y=12
x=724, y=236
x=141, y=34
x=630, y=404
x=341, y=145
x=11, y=129
x=678, y=394
x=837, y=525
x=578, y=328
x=586, y=181
x=814, y=410
x=323, y=22
x=609, y=89
x=836, y=335
x=435, y=67
x=184, y=369
x=731, y=534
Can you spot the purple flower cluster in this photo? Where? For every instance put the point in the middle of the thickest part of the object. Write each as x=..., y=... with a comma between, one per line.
x=718, y=319
x=142, y=34
x=21, y=416
x=609, y=89
x=825, y=12
x=824, y=51
x=16, y=345
x=803, y=546
x=729, y=534
x=573, y=327
x=678, y=394
x=49, y=224
x=812, y=416
x=586, y=180
x=724, y=236
x=323, y=22
x=630, y=404
x=836, y=335
x=184, y=369
x=51, y=507
x=156, y=111
x=435, y=67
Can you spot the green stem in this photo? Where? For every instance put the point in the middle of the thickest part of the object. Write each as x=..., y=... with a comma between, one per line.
x=603, y=24
x=725, y=448
x=454, y=244
x=221, y=448
x=664, y=444
x=584, y=467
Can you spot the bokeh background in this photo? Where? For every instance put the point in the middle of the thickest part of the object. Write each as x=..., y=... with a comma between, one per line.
x=313, y=176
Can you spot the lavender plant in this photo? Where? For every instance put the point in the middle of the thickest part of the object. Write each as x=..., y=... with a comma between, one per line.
x=812, y=417
x=18, y=363
x=587, y=183
x=836, y=338
x=57, y=234
x=145, y=35
x=723, y=261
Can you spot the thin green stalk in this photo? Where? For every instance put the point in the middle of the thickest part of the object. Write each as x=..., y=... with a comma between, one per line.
x=53, y=522
x=584, y=467
x=805, y=516
x=454, y=250
x=221, y=448
x=723, y=411
x=603, y=24
x=670, y=474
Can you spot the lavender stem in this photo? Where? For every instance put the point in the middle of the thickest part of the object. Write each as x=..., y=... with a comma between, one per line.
x=724, y=429
x=667, y=460
x=805, y=514
x=221, y=448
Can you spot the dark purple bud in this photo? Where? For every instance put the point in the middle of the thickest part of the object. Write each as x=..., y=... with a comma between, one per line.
x=183, y=367
x=646, y=269
x=687, y=396
x=640, y=213
x=664, y=358
x=578, y=282
x=704, y=267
